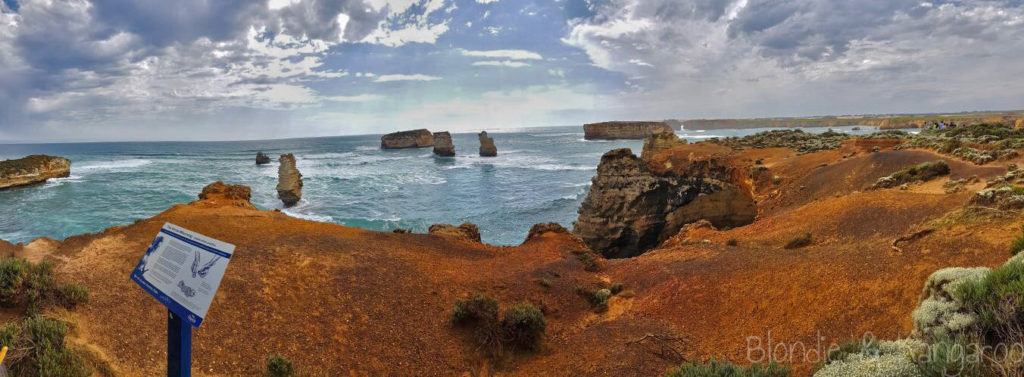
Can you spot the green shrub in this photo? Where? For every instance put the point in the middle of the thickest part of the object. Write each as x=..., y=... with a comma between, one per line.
x=598, y=298
x=798, y=241
x=9, y=333
x=1017, y=244
x=72, y=294
x=524, y=325
x=715, y=368
x=279, y=366
x=589, y=262
x=481, y=314
x=42, y=340
x=477, y=308
x=997, y=299
x=12, y=278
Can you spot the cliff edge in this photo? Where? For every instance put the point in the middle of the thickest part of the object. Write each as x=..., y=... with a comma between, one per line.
x=623, y=130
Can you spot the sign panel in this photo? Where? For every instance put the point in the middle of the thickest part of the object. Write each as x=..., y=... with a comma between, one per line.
x=182, y=269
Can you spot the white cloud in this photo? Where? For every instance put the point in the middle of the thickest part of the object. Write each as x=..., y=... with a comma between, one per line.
x=504, y=63
x=506, y=54
x=401, y=77
x=355, y=98
x=486, y=1
x=410, y=34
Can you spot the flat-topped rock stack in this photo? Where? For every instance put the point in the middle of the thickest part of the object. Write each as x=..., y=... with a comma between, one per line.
x=623, y=130
x=32, y=170
x=443, y=144
x=656, y=143
x=420, y=138
x=289, y=181
x=262, y=159
x=487, y=148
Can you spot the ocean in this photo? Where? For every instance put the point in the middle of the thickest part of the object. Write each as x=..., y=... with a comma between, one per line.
x=540, y=175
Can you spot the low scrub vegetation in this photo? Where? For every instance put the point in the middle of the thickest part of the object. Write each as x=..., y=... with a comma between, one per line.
x=1017, y=245
x=36, y=342
x=33, y=285
x=922, y=172
x=279, y=366
x=798, y=241
x=521, y=327
x=715, y=368
x=37, y=349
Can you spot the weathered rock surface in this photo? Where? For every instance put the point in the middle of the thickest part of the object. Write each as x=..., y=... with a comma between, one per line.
x=466, y=231
x=289, y=181
x=32, y=169
x=633, y=205
x=262, y=159
x=421, y=138
x=657, y=143
x=443, y=144
x=226, y=191
x=623, y=130
x=538, y=230
x=487, y=148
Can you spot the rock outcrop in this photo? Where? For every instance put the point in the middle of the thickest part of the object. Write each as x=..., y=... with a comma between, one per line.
x=226, y=191
x=289, y=181
x=421, y=138
x=465, y=232
x=623, y=130
x=443, y=144
x=32, y=170
x=538, y=230
x=487, y=148
x=262, y=159
x=659, y=142
x=633, y=205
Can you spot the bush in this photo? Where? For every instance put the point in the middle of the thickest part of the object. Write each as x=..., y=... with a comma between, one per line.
x=732, y=242
x=724, y=369
x=946, y=357
x=72, y=294
x=279, y=366
x=42, y=351
x=12, y=278
x=1017, y=244
x=798, y=241
x=477, y=308
x=481, y=314
x=590, y=263
x=922, y=172
x=869, y=346
x=997, y=299
x=615, y=288
x=524, y=325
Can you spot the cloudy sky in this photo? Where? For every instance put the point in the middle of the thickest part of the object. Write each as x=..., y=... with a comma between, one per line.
x=238, y=69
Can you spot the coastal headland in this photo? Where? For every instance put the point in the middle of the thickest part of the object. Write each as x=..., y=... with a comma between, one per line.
x=338, y=300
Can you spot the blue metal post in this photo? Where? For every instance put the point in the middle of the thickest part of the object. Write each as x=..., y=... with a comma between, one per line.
x=179, y=346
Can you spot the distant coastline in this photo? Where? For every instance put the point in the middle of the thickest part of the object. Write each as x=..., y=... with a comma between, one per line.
x=884, y=121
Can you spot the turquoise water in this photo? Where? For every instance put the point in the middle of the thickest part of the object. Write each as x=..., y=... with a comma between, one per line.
x=540, y=175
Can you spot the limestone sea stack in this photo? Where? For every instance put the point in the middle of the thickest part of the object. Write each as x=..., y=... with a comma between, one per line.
x=32, y=170
x=289, y=181
x=487, y=148
x=466, y=231
x=623, y=130
x=421, y=138
x=443, y=144
x=659, y=142
x=262, y=159
x=634, y=205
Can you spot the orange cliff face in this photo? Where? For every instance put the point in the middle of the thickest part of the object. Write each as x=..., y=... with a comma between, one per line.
x=338, y=300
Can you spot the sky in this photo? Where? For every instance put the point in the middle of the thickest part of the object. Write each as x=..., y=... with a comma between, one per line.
x=106, y=70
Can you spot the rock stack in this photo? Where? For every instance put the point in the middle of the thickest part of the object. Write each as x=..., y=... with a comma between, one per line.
x=32, y=169
x=487, y=148
x=262, y=159
x=443, y=144
x=657, y=143
x=634, y=205
x=289, y=181
x=407, y=139
x=623, y=130
x=466, y=231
